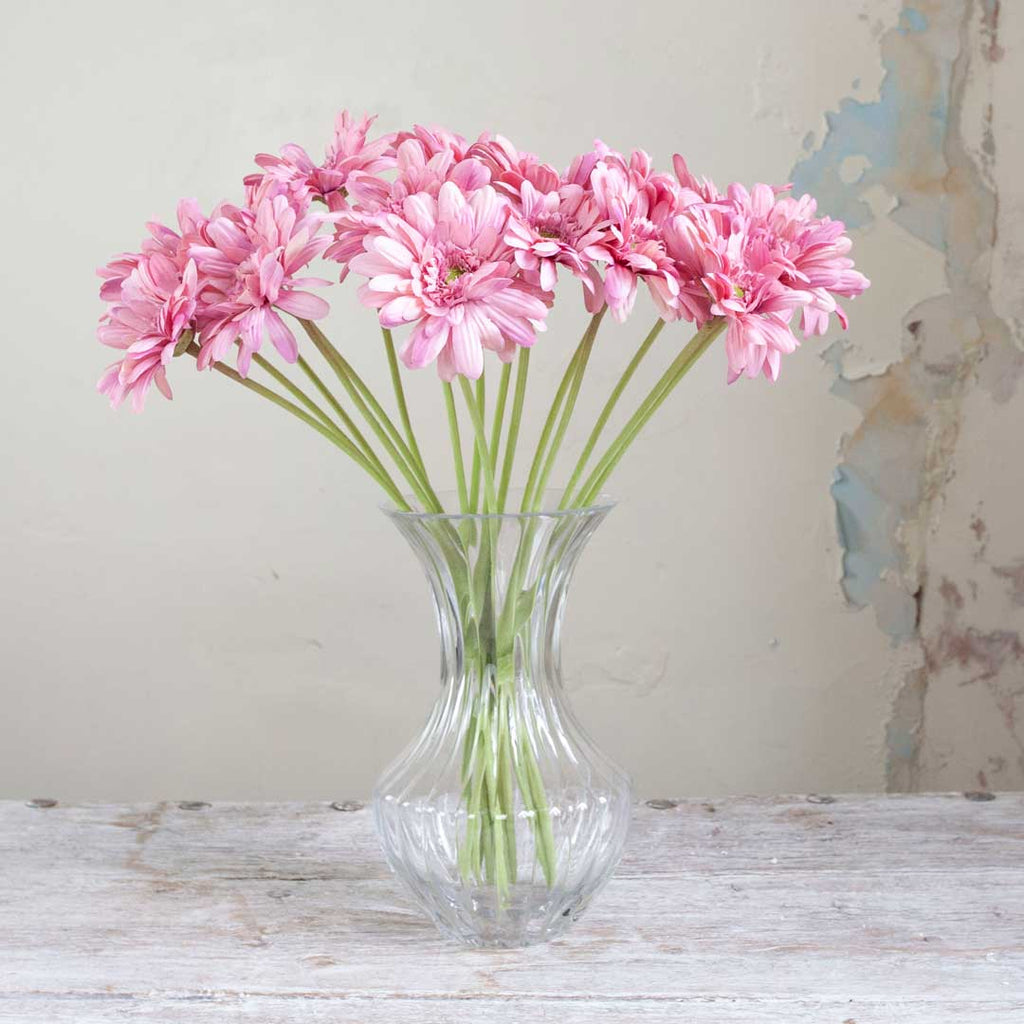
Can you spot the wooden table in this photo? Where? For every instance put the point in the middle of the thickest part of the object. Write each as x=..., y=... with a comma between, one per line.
x=873, y=910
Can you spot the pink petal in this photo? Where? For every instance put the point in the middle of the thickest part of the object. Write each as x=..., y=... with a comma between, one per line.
x=548, y=275
x=282, y=337
x=401, y=310
x=467, y=352
x=303, y=304
x=160, y=380
x=393, y=251
x=425, y=342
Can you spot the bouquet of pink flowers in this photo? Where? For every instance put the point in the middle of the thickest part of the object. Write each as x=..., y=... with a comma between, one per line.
x=462, y=244
x=459, y=246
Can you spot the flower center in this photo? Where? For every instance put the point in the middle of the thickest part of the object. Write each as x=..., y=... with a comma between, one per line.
x=441, y=269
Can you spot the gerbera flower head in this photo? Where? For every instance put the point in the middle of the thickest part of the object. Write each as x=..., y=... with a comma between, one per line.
x=636, y=203
x=434, y=139
x=693, y=189
x=444, y=267
x=509, y=168
x=760, y=258
x=248, y=260
x=152, y=298
x=421, y=168
x=562, y=227
x=348, y=152
x=155, y=306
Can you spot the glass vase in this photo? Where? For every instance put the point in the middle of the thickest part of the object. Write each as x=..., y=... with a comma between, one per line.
x=503, y=818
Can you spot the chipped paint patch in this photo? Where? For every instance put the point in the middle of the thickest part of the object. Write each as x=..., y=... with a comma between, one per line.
x=1014, y=575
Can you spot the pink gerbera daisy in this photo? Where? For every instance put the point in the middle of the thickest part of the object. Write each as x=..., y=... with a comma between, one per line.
x=155, y=305
x=372, y=196
x=509, y=168
x=444, y=266
x=760, y=258
x=249, y=265
x=635, y=203
x=347, y=153
x=153, y=298
x=560, y=227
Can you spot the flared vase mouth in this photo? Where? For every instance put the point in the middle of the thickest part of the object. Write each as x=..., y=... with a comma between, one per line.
x=549, y=508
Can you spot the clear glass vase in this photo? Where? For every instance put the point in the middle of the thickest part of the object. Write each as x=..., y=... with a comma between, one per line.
x=503, y=818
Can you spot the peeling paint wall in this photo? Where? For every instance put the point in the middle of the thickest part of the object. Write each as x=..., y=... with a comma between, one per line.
x=816, y=586
x=939, y=441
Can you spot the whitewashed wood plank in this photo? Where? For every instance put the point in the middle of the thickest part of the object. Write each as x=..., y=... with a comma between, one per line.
x=780, y=903
x=314, y=1008
x=845, y=835
x=798, y=940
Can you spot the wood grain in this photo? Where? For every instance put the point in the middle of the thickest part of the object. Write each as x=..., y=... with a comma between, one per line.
x=867, y=909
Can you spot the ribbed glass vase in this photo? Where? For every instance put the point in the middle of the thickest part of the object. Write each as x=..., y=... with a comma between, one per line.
x=503, y=818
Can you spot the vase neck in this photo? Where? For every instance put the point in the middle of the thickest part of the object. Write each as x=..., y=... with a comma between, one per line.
x=499, y=586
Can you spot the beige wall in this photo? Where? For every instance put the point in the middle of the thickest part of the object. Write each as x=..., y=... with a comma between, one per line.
x=204, y=602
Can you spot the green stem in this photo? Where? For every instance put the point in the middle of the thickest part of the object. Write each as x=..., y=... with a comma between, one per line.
x=515, y=418
x=453, y=433
x=680, y=366
x=335, y=436
x=367, y=406
x=350, y=424
x=549, y=423
x=474, y=808
x=537, y=802
x=581, y=359
x=294, y=390
x=476, y=415
x=497, y=838
x=606, y=412
x=499, y=414
x=498, y=821
x=474, y=486
x=403, y=408
x=505, y=775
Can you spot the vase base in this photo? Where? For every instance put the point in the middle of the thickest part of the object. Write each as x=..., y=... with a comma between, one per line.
x=529, y=915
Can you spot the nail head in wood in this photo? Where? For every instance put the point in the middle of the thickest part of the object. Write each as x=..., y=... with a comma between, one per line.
x=347, y=805
x=979, y=796
x=192, y=805
x=662, y=805
x=41, y=802
x=817, y=798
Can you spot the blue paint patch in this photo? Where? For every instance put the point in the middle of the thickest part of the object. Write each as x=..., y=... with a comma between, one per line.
x=878, y=131
x=901, y=137
x=861, y=520
x=901, y=742
x=867, y=522
x=912, y=20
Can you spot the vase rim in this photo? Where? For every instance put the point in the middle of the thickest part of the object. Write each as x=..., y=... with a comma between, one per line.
x=602, y=503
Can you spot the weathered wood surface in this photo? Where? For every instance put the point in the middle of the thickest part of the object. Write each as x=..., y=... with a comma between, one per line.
x=875, y=910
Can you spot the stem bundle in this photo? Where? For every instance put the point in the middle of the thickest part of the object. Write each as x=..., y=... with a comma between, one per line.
x=498, y=756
